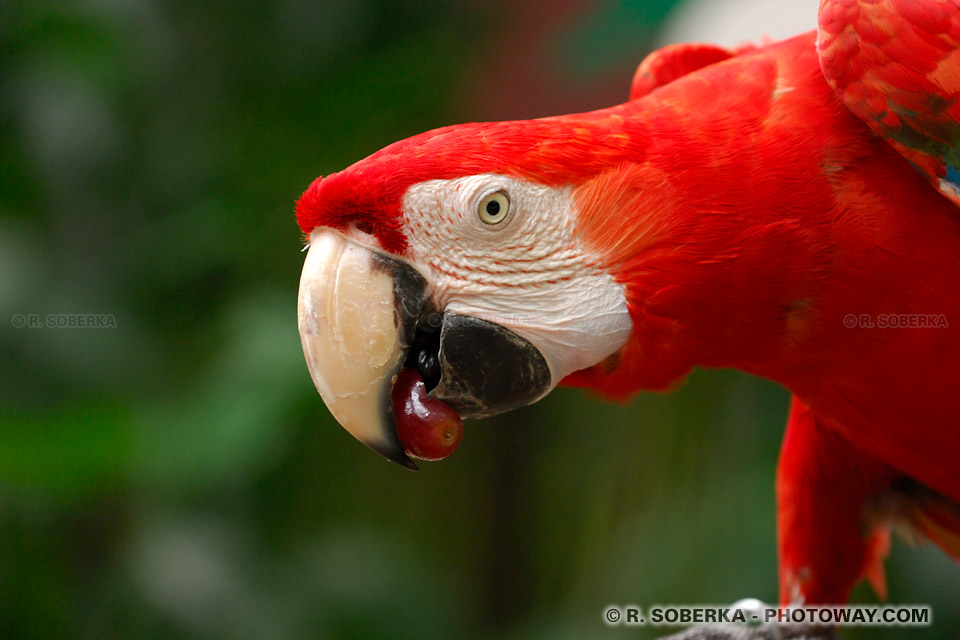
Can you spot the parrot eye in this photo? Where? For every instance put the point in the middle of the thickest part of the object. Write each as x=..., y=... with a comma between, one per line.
x=494, y=208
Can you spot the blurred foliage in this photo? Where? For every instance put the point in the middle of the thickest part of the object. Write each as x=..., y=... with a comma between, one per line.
x=177, y=476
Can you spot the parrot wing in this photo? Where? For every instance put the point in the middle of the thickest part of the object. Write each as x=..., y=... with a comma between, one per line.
x=673, y=61
x=896, y=65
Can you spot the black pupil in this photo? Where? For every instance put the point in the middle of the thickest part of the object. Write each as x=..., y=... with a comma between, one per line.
x=493, y=207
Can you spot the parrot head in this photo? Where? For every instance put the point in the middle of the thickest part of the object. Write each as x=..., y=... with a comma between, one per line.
x=463, y=253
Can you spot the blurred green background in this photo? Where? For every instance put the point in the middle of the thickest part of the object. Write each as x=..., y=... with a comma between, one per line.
x=176, y=475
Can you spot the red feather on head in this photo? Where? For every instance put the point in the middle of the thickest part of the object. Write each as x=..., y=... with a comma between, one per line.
x=551, y=151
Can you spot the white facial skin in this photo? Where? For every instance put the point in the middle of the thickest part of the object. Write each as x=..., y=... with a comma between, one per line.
x=526, y=272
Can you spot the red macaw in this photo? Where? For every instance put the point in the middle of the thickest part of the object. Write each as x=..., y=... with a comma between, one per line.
x=752, y=208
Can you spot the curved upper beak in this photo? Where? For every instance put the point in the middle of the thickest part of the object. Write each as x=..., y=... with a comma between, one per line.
x=357, y=312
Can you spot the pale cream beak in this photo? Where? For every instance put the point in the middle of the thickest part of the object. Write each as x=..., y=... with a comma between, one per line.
x=357, y=313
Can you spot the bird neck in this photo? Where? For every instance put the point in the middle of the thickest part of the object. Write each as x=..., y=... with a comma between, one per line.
x=749, y=230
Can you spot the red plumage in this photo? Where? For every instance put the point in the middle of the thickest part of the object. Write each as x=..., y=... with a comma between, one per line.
x=896, y=64
x=552, y=151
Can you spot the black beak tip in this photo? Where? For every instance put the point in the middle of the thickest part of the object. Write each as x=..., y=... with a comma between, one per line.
x=393, y=451
x=408, y=463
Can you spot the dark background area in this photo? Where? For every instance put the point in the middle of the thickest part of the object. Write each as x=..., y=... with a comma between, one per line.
x=176, y=475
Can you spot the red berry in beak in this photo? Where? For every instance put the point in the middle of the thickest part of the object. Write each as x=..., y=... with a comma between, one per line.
x=428, y=428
